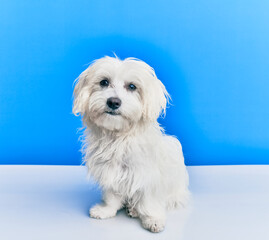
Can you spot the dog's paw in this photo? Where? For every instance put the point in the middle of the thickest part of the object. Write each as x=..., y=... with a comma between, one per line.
x=102, y=212
x=131, y=212
x=154, y=225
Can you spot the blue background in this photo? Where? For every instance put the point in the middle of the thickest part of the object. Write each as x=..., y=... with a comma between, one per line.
x=213, y=57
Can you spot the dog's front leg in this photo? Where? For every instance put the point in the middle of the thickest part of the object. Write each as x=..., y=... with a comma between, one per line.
x=112, y=203
x=152, y=214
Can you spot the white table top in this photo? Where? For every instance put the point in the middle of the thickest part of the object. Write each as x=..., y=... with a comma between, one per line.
x=52, y=202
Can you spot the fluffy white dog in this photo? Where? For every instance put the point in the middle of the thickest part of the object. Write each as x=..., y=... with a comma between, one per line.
x=125, y=149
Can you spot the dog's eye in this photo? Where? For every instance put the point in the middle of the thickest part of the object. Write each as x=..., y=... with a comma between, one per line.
x=131, y=87
x=104, y=83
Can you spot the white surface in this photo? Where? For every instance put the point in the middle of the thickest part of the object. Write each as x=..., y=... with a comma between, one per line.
x=52, y=202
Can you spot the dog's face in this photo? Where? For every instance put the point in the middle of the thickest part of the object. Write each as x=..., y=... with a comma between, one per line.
x=117, y=95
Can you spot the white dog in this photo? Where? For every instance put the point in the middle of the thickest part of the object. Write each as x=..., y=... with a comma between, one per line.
x=125, y=149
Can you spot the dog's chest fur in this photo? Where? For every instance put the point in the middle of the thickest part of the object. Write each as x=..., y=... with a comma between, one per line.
x=115, y=163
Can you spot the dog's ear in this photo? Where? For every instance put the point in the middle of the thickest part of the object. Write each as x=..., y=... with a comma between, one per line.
x=81, y=93
x=156, y=99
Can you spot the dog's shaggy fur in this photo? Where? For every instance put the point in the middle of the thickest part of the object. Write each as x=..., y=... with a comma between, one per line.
x=125, y=149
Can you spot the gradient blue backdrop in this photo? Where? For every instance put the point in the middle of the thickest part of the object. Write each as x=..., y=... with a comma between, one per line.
x=213, y=56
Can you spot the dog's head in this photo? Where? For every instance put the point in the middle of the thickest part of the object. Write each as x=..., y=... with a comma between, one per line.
x=117, y=94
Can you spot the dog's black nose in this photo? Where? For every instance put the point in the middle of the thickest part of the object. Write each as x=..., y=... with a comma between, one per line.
x=113, y=103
